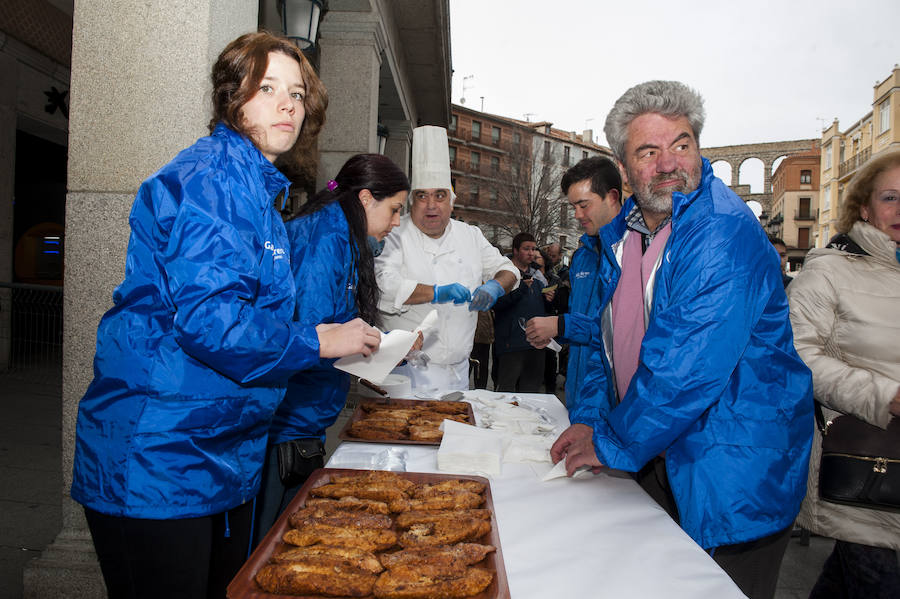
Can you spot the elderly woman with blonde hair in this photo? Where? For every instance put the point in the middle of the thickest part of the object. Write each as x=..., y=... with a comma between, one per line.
x=845, y=311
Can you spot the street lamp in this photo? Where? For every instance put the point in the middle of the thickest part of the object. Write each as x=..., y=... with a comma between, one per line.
x=300, y=21
x=383, y=135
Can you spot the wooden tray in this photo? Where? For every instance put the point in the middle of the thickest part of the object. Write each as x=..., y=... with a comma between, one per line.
x=359, y=414
x=244, y=586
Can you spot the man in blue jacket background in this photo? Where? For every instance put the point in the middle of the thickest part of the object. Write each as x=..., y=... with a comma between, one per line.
x=694, y=348
x=593, y=187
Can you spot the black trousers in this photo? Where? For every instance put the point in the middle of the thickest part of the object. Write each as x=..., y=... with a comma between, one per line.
x=753, y=566
x=522, y=371
x=855, y=571
x=482, y=353
x=187, y=558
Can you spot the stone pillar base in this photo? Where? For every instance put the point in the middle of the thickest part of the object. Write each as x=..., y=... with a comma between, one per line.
x=67, y=569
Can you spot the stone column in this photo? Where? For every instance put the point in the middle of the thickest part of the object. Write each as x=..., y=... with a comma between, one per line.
x=350, y=45
x=139, y=94
x=7, y=185
x=399, y=143
x=735, y=175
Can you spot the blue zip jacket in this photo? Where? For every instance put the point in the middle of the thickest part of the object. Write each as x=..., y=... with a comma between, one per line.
x=194, y=356
x=525, y=301
x=584, y=306
x=324, y=264
x=719, y=386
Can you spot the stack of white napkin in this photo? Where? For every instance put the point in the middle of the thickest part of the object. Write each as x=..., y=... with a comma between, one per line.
x=506, y=433
x=469, y=450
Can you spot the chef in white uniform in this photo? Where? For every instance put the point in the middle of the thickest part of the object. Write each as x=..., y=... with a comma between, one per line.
x=431, y=262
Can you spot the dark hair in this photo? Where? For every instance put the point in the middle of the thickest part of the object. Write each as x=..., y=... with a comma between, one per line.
x=383, y=178
x=521, y=238
x=235, y=79
x=776, y=241
x=601, y=171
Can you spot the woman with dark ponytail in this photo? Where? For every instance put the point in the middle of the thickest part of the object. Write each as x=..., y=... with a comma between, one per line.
x=334, y=241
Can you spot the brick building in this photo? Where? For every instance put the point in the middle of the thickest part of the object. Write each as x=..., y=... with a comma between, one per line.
x=506, y=175
x=795, y=204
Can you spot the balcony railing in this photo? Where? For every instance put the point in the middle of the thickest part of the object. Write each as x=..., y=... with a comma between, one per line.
x=855, y=161
x=804, y=216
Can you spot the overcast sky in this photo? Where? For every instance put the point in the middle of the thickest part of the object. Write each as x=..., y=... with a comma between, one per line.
x=768, y=70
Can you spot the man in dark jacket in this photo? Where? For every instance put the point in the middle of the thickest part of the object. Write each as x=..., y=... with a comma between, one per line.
x=712, y=404
x=521, y=365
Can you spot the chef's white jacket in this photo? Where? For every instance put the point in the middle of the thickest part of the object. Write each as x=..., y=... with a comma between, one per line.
x=461, y=255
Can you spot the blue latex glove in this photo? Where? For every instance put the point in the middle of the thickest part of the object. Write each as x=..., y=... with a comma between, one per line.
x=454, y=292
x=486, y=296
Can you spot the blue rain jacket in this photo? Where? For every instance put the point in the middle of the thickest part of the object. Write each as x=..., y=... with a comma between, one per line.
x=194, y=356
x=719, y=387
x=584, y=305
x=324, y=264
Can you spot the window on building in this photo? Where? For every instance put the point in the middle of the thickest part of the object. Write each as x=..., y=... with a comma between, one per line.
x=826, y=198
x=566, y=152
x=546, y=150
x=517, y=139
x=495, y=164
x=826, y=236
x=474, y=193
x=803, y=238
x=453, y=122
x=476, y=130
x=884, y=113
x=803, y=212
x=564, y=214
x=805, y=176
x=495, y=136
x=515, y=170
x=584, y=154
x=563, y=240
x=828, y=156
x=492, y=195
x=452, y=156
x=475, y=162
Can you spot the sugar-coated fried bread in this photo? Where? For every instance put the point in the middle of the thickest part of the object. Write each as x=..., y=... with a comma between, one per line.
x=459, y=500
x=309, y=516
x=448, y=486
x=422, y=582
x=444, y=532
x=299, y=578
x=362, y=429
x=454, y=557
x=425, y=432
x=370, y=540
x=383, y=476
x=407, y=519
x=353, y=556
x=348, y=503
x=447, y=407
x=385, y=491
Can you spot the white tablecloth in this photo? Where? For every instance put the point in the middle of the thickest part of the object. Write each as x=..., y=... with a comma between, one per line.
x=590, y=536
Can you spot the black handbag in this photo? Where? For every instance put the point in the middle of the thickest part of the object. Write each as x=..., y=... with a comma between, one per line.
x=860, y=462
x=297, y=459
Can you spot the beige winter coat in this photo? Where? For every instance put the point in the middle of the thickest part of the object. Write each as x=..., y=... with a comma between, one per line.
x=845, y=311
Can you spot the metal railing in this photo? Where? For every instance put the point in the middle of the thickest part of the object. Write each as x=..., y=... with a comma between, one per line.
x=855, y=161
x=31, y=329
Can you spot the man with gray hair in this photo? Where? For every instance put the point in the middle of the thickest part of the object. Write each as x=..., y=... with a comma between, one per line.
x=712, y=407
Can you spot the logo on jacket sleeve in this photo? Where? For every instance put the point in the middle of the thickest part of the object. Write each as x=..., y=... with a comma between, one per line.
x=277, y=253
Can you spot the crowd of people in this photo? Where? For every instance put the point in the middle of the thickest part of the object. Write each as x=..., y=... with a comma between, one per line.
x=686, y=362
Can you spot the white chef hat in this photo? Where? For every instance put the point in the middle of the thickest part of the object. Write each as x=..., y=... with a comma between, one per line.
x=431, y=159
